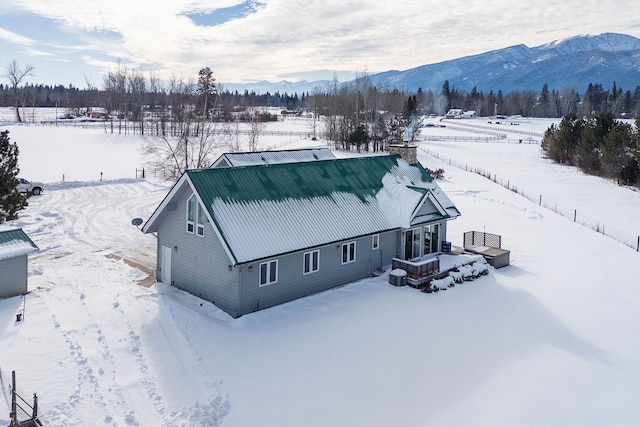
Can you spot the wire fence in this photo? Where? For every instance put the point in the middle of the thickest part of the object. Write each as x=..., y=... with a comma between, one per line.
x=479, y=139
x=623, y=236
x=132, y=128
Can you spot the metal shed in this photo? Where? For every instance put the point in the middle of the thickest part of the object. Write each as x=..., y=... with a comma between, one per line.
x=15, y=247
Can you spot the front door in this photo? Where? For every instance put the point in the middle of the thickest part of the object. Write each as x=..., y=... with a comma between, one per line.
x=165, y=269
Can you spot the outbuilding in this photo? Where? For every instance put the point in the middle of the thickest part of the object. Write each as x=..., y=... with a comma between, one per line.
x=15, y=247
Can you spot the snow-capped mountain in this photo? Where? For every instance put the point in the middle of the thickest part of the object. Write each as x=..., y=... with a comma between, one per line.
x=570, y=63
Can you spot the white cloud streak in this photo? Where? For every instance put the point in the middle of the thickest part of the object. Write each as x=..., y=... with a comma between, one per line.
x=283, y=37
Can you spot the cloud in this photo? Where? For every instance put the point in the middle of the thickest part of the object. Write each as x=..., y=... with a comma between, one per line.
x=12, y=37
x=254, y=40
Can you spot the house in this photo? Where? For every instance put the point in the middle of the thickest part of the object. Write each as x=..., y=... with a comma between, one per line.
x=251, y=237
x=272, y=157
x=454, y=113
x=15, y=246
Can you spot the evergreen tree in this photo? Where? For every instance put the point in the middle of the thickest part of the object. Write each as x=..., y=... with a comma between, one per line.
x=11, y=201
x=207, y=91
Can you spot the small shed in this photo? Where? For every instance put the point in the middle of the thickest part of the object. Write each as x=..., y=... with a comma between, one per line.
x=15, y=247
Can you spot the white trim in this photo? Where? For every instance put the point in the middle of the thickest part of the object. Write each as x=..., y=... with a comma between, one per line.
x=375, y=242
x=311, y=269
x=269, y=265
x=147, y=227
x=349, y=253
x=200, y=217
x=191, y=222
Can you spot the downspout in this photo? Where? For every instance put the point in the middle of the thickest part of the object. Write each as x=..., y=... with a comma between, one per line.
x=239, y=309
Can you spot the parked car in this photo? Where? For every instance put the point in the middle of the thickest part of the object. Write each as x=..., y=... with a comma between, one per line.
x=29, y=187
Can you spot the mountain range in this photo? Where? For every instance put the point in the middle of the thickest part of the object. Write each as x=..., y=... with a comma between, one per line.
x=570, y=63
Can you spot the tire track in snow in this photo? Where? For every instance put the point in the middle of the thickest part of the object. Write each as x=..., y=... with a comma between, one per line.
x=86, y=226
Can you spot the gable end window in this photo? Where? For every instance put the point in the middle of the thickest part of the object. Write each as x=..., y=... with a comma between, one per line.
x=200, y=221
x=310, y=262
x=191, y=214
x=348, y=252
x=268, y=272
x=195, y=217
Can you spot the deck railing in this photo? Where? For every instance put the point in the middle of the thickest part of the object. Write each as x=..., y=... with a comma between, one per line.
x=417, y=270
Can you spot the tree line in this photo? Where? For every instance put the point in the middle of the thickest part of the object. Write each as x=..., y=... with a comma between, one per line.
x=599, y=145
x=130, y=93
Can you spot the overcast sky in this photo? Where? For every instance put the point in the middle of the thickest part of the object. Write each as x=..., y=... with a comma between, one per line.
x=75, y=42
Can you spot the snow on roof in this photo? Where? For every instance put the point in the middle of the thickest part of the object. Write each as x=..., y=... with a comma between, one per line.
x=273, y=157
x=15, y=243
x=267, y=210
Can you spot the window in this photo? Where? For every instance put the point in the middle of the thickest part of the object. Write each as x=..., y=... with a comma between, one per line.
x=311, y=262
x=200, y=221
x=268, y=272
x=375, y=241
x=191, y=213
x=412, y=243
x=348, y=252
x=195, y=216
x=431, y=238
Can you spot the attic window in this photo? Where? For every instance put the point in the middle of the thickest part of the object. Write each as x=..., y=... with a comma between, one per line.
x=200, y=221
x=195, y=216
x=191, y=214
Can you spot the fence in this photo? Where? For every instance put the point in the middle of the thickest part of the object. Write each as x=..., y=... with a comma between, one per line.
x=480, y=238
x=480, y=139
x=133, y=128
x=625, y=237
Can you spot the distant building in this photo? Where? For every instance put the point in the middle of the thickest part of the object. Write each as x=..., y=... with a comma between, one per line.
x=457, y=113
x=272, y=157
x=454, y=113
x=15, y=246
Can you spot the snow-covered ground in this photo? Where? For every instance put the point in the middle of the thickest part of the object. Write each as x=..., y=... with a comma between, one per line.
x=550, y=340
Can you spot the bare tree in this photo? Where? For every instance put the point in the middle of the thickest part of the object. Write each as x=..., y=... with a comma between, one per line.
x=15, y=74
x=231, y=131
x=137, y=88
x=172, y=156
x=193, y=138
x=256, y=127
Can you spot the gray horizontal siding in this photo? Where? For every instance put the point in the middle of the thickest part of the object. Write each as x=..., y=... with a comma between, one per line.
x=293, y=284
x=199, y=264
x=13, y=276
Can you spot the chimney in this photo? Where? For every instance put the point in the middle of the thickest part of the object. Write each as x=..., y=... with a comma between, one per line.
x=408, y=152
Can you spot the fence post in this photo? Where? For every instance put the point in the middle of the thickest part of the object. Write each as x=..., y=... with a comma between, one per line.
x=540, y=202
x=575, y=214
x=638, y=245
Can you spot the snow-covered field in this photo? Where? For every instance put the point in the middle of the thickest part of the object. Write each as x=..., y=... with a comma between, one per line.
x=550, y=340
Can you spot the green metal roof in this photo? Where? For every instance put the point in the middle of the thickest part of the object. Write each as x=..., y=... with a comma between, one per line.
x=264, y=210
x=9, y=236
x=15, y=243
x=360, y=176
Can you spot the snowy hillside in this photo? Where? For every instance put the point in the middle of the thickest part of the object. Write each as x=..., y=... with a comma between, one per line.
x=550, y=340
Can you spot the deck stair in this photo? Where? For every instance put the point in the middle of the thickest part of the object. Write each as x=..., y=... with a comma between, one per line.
x=19, y=406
